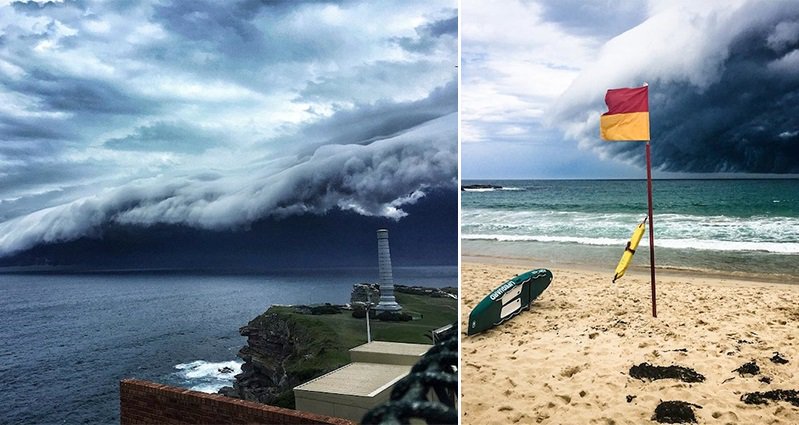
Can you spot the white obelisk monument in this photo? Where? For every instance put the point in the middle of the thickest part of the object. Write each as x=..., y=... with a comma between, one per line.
x=387, y=301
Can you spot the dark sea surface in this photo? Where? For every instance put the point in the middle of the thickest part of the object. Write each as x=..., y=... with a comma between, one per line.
x=744, y=227
x=67, y=340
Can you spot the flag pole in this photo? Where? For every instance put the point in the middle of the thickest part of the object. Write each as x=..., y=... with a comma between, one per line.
x=651, y=227
x=627, y=118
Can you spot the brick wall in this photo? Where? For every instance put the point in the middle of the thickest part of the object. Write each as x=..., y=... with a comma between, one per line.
x=148, y=402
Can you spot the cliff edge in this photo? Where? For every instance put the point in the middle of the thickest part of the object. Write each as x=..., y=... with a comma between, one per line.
x=282, y=352
x=290, y=345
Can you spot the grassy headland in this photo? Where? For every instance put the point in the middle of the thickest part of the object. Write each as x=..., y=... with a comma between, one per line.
x=323, y=341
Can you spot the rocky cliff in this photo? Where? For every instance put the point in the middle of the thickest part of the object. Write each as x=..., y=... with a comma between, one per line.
x=283, y=350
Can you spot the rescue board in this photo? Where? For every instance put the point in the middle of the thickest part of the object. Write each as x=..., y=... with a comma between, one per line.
x=508, y=300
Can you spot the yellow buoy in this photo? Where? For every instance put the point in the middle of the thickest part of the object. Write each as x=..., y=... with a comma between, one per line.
x=629, y=250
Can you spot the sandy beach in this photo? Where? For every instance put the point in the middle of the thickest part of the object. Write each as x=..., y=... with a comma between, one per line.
x=568, y=359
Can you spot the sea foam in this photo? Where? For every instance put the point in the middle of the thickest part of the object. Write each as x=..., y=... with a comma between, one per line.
x=697, y=244
x=679, y=231
x=207, y=377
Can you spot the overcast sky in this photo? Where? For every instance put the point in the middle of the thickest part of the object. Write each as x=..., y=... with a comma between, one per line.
x=214, y=115
x=723, y=76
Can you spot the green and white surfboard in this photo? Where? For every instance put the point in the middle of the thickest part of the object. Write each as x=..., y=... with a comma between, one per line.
x=508, y=300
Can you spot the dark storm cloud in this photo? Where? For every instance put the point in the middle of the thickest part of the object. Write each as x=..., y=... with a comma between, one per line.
x=726, y=103
x=746, y=122
x=429, y=35
x=82, y=95
x=15, y=128
x=368, y=83
x=427, y=236
x=33, y=6
x=372, y=180
x=18, y=178
x=167, y=137
x=216, y=115
x=443, y=26
x=209, y=21
x=247, y=39
x=371, y=122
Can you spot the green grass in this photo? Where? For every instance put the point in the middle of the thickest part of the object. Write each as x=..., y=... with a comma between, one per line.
x=434, y=313
x=326, y=339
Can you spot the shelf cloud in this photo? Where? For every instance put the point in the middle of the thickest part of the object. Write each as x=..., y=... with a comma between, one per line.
x=215, y=116
x=724, y=84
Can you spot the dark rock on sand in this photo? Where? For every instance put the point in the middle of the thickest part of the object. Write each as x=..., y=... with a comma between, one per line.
x=791, y=396
x=651, y=372
x=749, y=368
x=675, y=412
x=630, y=398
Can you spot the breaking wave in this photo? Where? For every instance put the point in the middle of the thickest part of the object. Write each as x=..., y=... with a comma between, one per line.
x=208, y=377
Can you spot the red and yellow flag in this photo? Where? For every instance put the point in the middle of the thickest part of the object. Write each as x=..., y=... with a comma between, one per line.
x=627, y=117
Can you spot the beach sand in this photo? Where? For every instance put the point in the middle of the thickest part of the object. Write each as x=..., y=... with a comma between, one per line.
x=567, y=360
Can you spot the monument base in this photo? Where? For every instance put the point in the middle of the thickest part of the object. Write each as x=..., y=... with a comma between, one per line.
x=388, y=306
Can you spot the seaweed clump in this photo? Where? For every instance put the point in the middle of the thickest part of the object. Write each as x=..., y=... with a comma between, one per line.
x=749, y=368
x=675, y=412
x=778, y=359
x=791, y=396
x=651, y=372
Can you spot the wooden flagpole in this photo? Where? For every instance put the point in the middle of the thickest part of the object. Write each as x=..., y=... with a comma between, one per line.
x=651, y=227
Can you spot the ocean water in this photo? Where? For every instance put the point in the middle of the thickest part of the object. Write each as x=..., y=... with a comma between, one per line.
x=67, y=340
x=741, y=227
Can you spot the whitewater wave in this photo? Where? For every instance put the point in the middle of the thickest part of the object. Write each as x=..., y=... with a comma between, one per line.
x=718, y=233
x=714, y=245
x=541, y=238
x=696, y=244
x=208, y=377
x=491, y=189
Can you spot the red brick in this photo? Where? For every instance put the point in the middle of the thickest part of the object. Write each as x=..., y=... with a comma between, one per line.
x=148, y=402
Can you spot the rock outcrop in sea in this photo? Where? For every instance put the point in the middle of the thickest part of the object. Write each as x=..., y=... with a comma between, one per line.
x=479, y=186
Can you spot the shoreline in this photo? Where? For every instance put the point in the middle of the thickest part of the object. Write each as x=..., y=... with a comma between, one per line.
x=567, y=360
x=637, y=270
